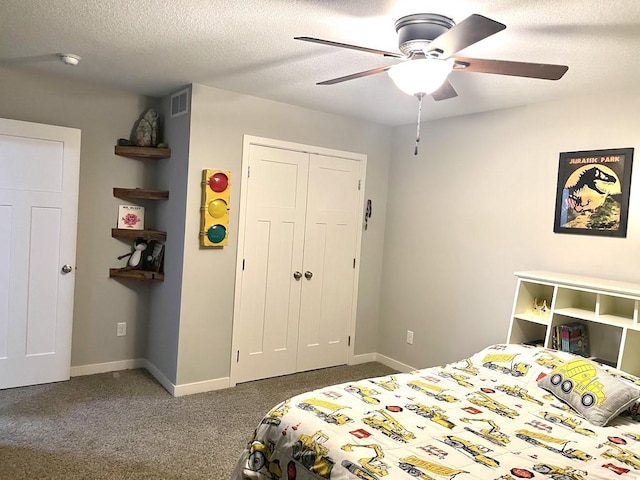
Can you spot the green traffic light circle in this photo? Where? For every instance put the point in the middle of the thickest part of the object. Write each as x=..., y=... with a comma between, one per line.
x=216, y=233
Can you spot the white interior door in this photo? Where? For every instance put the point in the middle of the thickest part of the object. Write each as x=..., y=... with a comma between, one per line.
x=267, y=323
x=327, y=300
x=39, y=166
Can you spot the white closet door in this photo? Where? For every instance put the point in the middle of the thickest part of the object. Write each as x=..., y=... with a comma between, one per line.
x=273, y=249
x=39, y=167
x=330, y=249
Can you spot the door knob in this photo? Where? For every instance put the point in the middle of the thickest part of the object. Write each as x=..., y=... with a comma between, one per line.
x=66, y=269
x=297, y=275
x=308, y=275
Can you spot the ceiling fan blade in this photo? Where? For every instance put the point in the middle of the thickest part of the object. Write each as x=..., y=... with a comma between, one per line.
x=471, y=30
x=353, y=76
x=352, y=47
x=445, y=91
x=543, y=71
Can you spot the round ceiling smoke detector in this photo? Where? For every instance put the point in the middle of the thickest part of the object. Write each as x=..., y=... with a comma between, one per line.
x=69, y=58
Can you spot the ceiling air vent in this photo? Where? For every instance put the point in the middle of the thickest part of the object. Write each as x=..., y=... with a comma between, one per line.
x=180, y=103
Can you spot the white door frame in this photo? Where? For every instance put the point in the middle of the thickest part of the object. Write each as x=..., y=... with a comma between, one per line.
x=249, y=140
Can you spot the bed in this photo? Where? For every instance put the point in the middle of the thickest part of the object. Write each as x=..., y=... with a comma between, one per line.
x=502, y=413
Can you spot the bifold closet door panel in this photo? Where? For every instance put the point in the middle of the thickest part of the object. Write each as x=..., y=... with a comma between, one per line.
x=273, y=251
x=329, y=253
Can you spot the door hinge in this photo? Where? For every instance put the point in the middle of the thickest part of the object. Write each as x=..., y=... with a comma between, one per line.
x=359, y=184
x=354, y=263
x=349, y=341
x=248, y=171
x=243, y=264
x=238, y=357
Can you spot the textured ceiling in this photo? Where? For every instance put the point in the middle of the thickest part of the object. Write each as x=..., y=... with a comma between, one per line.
x=152, y=47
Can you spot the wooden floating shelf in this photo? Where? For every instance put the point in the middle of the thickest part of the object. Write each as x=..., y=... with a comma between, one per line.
x=141, y=275
x=140, y=194
x=143, y=153
x=133, y=234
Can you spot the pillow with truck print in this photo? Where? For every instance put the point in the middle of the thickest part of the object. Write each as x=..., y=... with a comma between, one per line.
x=633, y=411
x=590, y=390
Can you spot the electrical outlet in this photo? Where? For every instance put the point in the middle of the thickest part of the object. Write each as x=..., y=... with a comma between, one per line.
x=409, y=337
x=122, y=329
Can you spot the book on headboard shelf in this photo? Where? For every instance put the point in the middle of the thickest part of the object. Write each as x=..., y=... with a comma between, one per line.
x=572, y=338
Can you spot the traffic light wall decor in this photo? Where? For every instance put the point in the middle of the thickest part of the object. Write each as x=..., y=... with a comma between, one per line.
x=214, y=212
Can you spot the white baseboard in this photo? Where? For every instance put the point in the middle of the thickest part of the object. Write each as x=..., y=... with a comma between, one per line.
x=395, y=364
x=108, y=367
x=160, y=377
x=201, y=387
x=378, y=357
x=175, y=390
x=213, y=384
x=187, y=388
x=363, y=358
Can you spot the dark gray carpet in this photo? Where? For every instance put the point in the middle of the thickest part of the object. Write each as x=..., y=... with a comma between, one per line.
x=124, y=425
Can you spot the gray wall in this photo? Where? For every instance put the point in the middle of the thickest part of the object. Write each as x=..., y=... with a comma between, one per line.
x=171, y=323
x=475, y=206
x=478, y=204
x=103, y=115
x=219, y=119
x=166, y=297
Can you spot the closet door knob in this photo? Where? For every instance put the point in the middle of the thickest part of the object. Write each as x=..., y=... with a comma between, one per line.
x=308, y=275
x=297, y=275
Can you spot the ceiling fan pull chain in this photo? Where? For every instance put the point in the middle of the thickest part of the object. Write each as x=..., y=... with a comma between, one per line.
x=420, y=96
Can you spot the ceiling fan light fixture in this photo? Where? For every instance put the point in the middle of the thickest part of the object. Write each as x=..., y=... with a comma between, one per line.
x=423, y=76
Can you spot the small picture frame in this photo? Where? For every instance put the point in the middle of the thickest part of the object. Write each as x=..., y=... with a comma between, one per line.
x=131, y=217
x=155, y=257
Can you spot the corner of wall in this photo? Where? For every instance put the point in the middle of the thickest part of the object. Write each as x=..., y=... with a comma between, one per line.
x=166, y=298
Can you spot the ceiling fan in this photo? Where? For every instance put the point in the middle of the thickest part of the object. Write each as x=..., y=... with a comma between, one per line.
x=429, y=43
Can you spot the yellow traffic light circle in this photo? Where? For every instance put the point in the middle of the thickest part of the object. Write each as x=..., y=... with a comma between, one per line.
x=217, y=208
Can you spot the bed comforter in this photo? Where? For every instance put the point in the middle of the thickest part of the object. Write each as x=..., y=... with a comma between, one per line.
x=480, y=418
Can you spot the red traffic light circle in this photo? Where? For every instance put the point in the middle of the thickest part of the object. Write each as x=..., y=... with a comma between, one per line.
x=218, y=182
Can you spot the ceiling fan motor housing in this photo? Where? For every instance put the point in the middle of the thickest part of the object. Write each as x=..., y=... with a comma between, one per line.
x=415, y=32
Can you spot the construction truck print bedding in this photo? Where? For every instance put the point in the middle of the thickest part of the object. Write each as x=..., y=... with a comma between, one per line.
x=484, y=417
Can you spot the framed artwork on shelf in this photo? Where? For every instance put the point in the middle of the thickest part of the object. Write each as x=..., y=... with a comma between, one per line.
x=592, y=196
x=155, y=257
x=131, y=217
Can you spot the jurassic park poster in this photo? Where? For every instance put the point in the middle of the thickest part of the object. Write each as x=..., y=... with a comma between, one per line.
x=593, y=192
